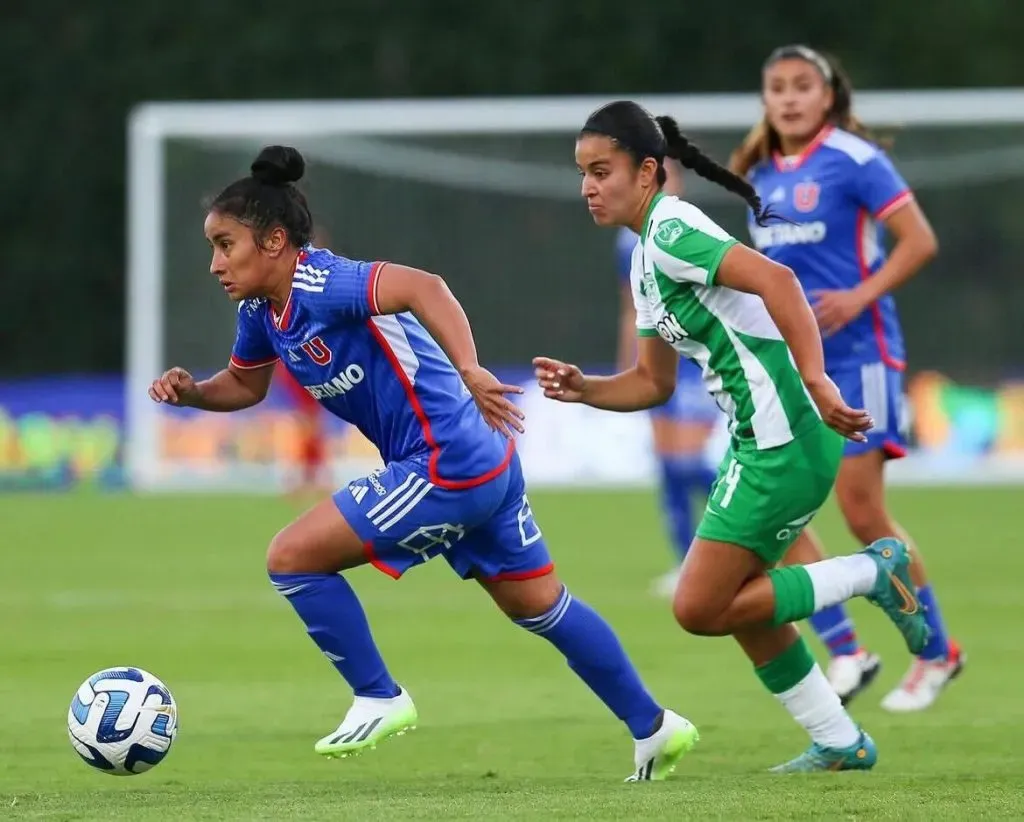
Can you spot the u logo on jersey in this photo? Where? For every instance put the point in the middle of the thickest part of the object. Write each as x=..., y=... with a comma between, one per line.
x=805, y=196
x=317, y=351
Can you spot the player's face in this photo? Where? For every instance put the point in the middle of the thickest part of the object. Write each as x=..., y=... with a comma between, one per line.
x=613, y=186
x=237, y=263
x=796, y=99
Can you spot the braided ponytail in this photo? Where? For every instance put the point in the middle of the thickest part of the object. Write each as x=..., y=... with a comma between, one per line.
x=681, y=149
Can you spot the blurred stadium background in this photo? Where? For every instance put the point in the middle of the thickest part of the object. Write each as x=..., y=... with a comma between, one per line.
x=459, y=162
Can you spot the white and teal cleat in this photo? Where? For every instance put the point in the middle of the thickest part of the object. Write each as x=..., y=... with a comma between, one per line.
x=657, y=755
x=369, y=721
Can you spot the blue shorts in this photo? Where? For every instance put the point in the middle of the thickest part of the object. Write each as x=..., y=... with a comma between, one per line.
x=486, y=532
x=878, y=389
x=691, y=401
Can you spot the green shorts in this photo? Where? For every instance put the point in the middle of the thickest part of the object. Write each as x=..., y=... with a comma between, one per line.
x=761, y=500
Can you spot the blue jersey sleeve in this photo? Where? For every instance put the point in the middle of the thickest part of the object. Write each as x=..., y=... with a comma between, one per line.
x=252, y=348
x=625, y=242
x=880, y=188
x=350, y=290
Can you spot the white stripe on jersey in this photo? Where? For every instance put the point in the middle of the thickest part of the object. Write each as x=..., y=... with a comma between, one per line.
x=856, y=148
x=391, y=329
x=316, y=289
x=874, y=385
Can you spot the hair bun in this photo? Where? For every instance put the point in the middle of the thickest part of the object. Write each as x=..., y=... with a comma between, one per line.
x=278, y=166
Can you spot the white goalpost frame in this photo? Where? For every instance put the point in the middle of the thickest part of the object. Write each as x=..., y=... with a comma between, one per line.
x=151, y=124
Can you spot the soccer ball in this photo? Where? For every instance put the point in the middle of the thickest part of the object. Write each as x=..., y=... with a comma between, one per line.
x=122, y=721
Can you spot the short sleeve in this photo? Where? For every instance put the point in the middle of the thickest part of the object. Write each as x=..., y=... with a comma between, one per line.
x=252, y=348
x=348, y=289
x=880, y=188
x=686, y=253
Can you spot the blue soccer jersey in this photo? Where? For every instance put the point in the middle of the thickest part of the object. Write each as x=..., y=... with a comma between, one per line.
x=691, y=401
x=384, y=374
x=837, y=192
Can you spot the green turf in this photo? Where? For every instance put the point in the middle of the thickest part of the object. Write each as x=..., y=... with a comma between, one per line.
x=176, y=585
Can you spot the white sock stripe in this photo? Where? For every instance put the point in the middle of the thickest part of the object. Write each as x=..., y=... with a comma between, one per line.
x=417, y=498
x=287, y=590
x=390, y=495
x=549, y=620
x=836, y=630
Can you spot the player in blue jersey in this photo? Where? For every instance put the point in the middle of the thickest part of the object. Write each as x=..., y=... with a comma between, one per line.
x=814, y=163
x=389, y=349
x=681, y=427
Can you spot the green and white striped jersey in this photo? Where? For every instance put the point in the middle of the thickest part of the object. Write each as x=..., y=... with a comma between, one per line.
x=747, y=366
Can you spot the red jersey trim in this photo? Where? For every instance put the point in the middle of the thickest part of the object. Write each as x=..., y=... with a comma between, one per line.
x=246, y=365
x=428, y=434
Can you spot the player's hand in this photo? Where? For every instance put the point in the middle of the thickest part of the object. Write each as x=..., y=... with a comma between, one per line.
x=175, y=387
x=489, y=393
x=560, y=381
x=837, y=415
x=835, y=310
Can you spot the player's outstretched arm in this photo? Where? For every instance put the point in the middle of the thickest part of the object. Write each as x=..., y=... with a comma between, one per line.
x=229, y=390
x=400, y=288
x=743, y=269
x=648, y=383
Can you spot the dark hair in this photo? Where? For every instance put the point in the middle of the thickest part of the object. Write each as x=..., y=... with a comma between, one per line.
x=763, y=140
x=268, y=198
x=632, y=128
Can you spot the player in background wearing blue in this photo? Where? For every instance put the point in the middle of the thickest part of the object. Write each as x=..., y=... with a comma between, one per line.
x=815, y=164
x=681, y=427
x=388, y=349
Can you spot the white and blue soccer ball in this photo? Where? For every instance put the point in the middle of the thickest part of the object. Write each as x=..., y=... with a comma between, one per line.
x=122, y=721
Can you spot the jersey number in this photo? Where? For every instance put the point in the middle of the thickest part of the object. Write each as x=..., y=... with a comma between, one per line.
x=317, y=351
x=729, y=483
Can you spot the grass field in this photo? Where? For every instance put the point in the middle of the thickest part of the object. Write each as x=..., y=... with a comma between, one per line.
x=176, y=586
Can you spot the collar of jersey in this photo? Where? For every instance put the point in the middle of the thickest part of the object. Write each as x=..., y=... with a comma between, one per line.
x=650, y=210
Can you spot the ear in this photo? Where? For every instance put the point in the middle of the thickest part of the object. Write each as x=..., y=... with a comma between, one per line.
x=275, y=241
x=648, y=172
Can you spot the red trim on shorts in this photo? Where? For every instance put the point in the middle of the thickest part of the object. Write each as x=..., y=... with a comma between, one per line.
x=428, y=434
x=519, y=576
x=379, y=564
x=893, y=451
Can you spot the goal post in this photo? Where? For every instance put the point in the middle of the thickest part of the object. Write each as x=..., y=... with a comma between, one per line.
x=438, y=183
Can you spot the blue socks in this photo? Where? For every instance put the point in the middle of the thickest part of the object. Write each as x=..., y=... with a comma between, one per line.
x=595, y=654
x=337, y=624
x=835, y=629
x=682, y=476
x=938, y=643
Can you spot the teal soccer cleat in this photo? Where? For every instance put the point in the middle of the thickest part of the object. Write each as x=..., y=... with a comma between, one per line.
x=859, y=757
x=894, y=591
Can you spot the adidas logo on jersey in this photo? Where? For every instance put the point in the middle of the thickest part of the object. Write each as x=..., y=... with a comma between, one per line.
x=778, y=195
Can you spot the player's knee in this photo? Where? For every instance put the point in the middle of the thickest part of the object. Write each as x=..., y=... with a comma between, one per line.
x=695, y=616
x=286, y=554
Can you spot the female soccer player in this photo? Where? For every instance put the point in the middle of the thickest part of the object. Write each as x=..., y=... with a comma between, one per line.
x=746, y=322
x=813, y=162
x=681, y=427
x=389, y=349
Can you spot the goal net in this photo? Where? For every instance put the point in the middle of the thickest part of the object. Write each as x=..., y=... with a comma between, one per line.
x=485, y=192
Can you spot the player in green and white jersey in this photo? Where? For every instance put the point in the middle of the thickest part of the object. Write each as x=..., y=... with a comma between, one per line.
x=744, y=319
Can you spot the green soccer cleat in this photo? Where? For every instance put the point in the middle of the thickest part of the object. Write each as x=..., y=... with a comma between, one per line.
x=859, y=757
x=657, y=756
x=368, y=722
x=894, y=591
